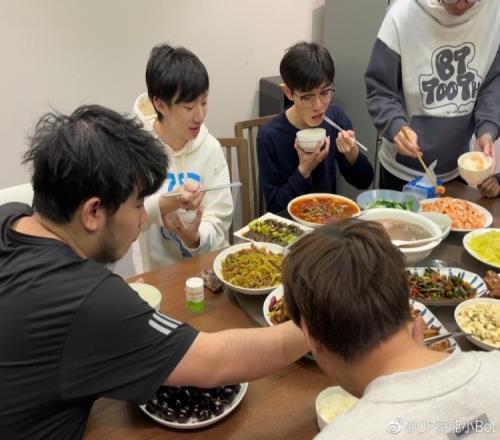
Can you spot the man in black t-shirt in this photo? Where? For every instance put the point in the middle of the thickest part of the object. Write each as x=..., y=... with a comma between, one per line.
x=70, y=330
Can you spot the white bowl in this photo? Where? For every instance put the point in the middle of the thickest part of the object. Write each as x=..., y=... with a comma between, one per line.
x=319, y=195
x=475, y=167
x=367, y=197
x=472, y=303
x=276, y=293
x=466, y=242
x=148, y=293
x=331, y=395
x=235, y=248
x=442, y=220
x=186, y=216
x=309, y=137
x=412, y=254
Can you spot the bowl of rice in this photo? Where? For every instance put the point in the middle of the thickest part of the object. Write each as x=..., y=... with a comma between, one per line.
x=331, y=403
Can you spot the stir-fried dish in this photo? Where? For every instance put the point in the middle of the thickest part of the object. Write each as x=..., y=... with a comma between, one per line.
x=273, y=231
x=492, y=281
x=322, y=210
x=277, y=310
x=385, y=203
x=434, y=285
x=253, y=268
x=463, y=215
x=487, y=246
x=430, y=331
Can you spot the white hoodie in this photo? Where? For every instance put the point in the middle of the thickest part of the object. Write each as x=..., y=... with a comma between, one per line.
x=202, y=160
x=440, y=73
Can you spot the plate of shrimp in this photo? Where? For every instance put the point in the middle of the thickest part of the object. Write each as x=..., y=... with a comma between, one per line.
x=465, y=216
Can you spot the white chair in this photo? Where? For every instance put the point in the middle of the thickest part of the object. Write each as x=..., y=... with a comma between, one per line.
x=20, y=193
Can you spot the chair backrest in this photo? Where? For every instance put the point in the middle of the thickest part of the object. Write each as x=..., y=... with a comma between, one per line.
x=20, y=193
x=248, y=130
x=240, y=146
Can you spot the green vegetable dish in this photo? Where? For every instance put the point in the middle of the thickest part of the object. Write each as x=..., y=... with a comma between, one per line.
x=434, y=285
x=384, y=203
x=272, y=231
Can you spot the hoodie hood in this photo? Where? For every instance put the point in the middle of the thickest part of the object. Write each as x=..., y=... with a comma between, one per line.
x=146, y=113
x=436, y=10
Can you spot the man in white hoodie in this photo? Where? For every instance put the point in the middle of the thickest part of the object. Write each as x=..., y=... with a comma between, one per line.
x=173, y=110
x=435, y=67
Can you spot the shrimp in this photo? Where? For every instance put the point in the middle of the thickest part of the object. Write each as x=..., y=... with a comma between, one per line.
x=463, y=215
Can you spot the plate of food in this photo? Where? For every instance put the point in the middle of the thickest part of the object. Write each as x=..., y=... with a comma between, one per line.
x=444, y=285
x=252, y=268
x=481, y=318
x=492, y=280
x=273, y=309
x=271, y=228
x=432, y=327
x=318, y=209
x=484, y=245
x=192, y=407
x=387, y=198
x=465, y=216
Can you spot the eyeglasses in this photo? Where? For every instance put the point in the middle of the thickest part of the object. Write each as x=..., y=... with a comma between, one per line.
x=309, y=99
x=452, y=2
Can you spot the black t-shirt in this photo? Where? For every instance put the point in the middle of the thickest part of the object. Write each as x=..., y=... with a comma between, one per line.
x=71, y=331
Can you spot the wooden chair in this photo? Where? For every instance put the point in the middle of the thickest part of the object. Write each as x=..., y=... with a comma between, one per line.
x=240, y=145
x=248, y=130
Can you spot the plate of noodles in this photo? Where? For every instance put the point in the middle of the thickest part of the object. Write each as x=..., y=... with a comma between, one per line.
x=465, y=216
x=251, y=268
x=484, y=245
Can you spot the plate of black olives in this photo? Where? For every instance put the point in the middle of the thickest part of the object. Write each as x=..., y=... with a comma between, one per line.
x=192, y=407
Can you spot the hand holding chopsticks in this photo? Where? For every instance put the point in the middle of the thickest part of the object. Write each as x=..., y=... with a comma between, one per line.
x=204, y=190
x=338, y=127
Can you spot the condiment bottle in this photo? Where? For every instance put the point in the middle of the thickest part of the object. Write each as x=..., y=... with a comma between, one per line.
x=195, y=296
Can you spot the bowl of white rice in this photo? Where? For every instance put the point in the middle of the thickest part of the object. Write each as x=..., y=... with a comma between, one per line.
x=331, y=403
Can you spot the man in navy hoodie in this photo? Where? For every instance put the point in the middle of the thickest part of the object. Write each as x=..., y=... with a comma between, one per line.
x=285, y=170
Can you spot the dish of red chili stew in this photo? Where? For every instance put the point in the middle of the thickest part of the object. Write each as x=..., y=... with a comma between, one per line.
x=323, y=209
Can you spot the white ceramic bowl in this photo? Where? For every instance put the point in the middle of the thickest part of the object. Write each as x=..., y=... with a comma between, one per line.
x=475, y=167
x=235, y=248
x=319, y=195
x=309, y=137
x=412, y=254
x=276, y=293
x=331, y=395
x=186, y=216
x=442, y=220
x=148, y=293
x=471, y=303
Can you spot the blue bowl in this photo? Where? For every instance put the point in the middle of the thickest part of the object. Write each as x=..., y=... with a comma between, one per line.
x=366, y=198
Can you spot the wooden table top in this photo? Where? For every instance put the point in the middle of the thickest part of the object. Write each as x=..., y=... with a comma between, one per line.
x=279, y=406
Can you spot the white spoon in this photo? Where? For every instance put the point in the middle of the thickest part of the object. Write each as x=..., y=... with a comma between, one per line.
x=404, y=243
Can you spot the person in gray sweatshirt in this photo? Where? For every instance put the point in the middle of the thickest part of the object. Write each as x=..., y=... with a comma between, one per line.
x=435, y=68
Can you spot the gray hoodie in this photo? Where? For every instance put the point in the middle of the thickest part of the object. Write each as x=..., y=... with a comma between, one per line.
x=439, y=73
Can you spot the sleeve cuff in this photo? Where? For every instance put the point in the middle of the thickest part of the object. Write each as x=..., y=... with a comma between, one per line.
x=394, y=128
x=152, y=206
x=488, y=127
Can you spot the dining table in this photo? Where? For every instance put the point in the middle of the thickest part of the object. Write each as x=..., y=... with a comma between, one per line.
x=279, y=406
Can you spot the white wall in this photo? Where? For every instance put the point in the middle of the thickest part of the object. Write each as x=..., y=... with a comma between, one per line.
x=63, y=53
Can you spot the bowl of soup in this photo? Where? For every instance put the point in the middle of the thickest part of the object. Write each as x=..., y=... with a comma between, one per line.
x=318, y=209
x=475, y=167
x=407, y=226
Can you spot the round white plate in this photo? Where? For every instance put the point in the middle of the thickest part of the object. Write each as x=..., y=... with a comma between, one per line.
x=475, y=233
x=488, y=218
x=278, y=293
x=195, y=424
x=472, y=278
x=237, y=247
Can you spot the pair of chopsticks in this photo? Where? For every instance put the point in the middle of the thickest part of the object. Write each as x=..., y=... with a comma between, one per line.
x=432, y=177
x=438, y=338
x=338, y=127
x=211, y=188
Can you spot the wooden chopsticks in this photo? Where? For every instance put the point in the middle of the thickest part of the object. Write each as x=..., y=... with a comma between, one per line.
x=432, y=178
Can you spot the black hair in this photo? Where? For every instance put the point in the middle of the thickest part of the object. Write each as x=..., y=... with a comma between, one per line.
x=175, y=73
x=94, y=152
x=347, y=283
x=306, y=66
